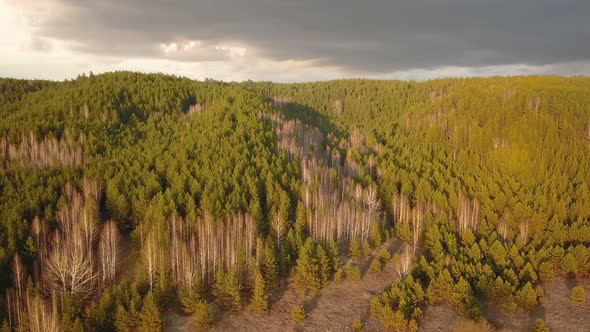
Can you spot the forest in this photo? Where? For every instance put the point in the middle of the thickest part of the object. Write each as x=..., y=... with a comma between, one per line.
x=127, y=196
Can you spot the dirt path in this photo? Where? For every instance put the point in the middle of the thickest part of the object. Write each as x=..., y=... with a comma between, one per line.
x=333, y=308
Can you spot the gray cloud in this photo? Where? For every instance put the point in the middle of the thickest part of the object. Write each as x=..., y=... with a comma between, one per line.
x=373, y=36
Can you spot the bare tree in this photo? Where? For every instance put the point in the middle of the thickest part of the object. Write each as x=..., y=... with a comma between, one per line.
x=149, y=254
x=417, y=224
x=523, y=228
x=69, y=268
x=69, y=265
x=467, y=213
x=279, y=227
x=108, y=250
x=503, y=229
x=41, y=317
x=404, y=261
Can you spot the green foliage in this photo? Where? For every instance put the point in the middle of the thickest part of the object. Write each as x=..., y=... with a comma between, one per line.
x=355, y=249
x=527, y=297
x=259, y=300
x=357, y=325
x=546, y=272
x=150, y=316
x=569, y=266
x=540, y=326
x=435, y=142
x=269, y=268
x=578, y=295
x=307, y=271
x=203, y=314
x=298, y=313
x=227, y=290
x=376, y=265
x=325, y=265
x=353, y=272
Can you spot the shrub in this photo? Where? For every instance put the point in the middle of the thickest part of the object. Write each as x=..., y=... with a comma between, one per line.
x=376, y=265
x=203, y=314
x=578, y=295
x=298, y=313
x=353, y=273
x=357, y=325
x=384, y=255
x=540, y=326
x=472, y=326
x=338, y=276
x=527, y=297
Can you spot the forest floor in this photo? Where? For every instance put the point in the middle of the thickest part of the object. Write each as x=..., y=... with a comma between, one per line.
x=559, y=313
x=333, y=308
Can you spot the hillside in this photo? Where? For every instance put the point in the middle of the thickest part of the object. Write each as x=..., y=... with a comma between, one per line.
x=144, y=201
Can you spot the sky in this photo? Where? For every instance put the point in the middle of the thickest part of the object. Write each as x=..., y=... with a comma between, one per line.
x=295, y=40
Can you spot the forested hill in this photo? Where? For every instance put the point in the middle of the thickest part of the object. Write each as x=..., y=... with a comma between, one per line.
x=125, y=194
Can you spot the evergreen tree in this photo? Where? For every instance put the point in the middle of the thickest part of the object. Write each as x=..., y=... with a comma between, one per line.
x=150, y=316
x=227, y=290
x=307, y=272
x=259, y=300
x=324, y=264
x=355, y=249
x=270, y=264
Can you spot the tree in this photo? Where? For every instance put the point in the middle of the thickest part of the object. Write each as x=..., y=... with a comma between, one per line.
x=227, y=290
x=527, y=297
x=569, y=266
x=546, y=272
x=108, y=252
x=307, y=271
x=203, y=314
x=324, y=264
x=259, y=300
x=150, y=316
x=334, y=254
x=578, y=295
x=540, y=326
x=298, y=313
x=270, y=264
x=355, y=249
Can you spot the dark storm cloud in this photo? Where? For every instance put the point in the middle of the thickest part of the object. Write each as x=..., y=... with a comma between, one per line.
x=373, y=36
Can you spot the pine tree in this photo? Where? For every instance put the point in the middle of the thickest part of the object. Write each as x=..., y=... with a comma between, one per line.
x=298, y=313
x=190, y=297
x=203, y=314
x=150, y=319
x=122, y=323
x=325, y=265
x=569, y=266
x=227, y=290
x=259, y=297
x=355, y=249
x=540, y=326
x=270, y=264
x=527, y=297
x=307, y=271
x=334, y=254
x=578, y=295
x=5, y=326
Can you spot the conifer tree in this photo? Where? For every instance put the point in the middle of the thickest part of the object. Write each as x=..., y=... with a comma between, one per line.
x=150, y=319
x=355, y=249
x=227, y=290
x=307, y=271
x=259, y=300
x=270, y=264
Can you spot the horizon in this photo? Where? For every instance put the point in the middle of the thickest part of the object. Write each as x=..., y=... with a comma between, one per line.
x=180, y=76
x=289, y=42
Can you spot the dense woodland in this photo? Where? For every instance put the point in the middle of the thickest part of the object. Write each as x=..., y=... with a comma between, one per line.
x=123, y=195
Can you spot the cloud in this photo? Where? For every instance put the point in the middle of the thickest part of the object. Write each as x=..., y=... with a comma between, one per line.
x=321, y=39
x=369, y=36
